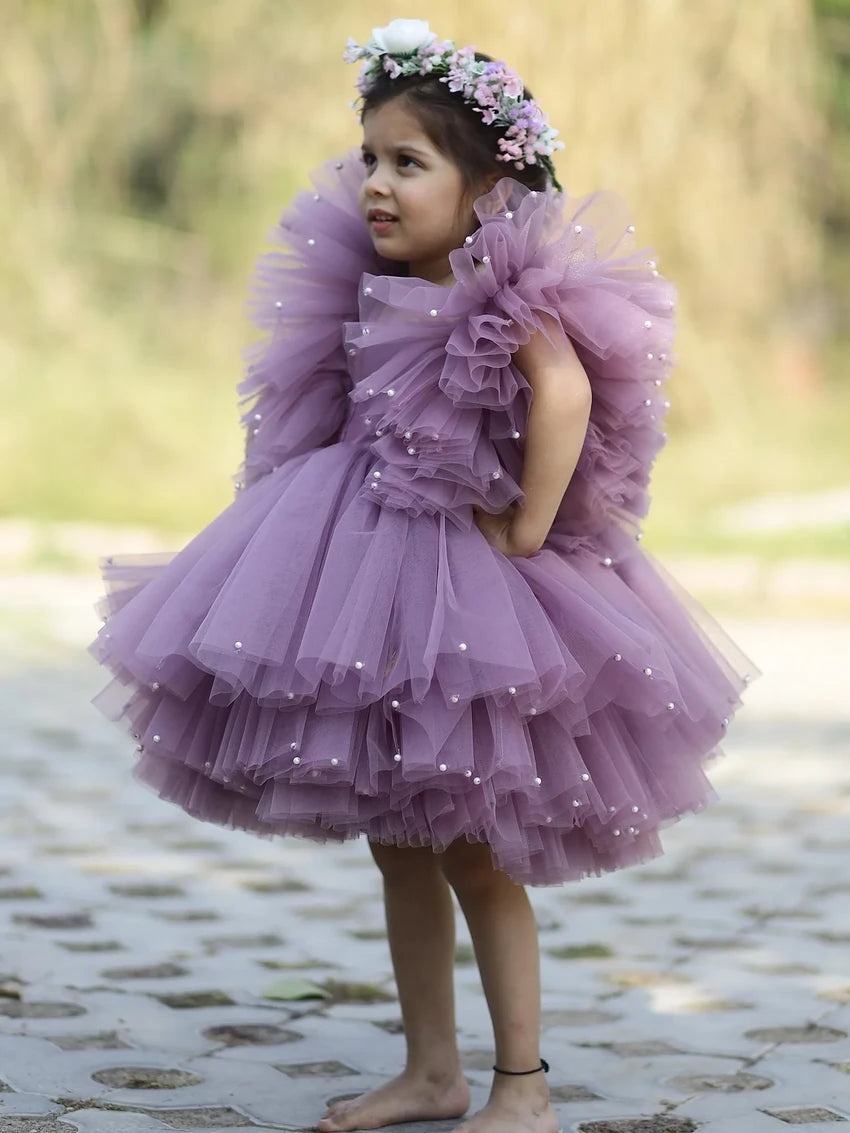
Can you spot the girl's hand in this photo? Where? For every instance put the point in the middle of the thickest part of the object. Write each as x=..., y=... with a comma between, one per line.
x=499, y=531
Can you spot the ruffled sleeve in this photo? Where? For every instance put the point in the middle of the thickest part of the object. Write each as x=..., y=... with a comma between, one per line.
x=434, y=366
x=293, y=397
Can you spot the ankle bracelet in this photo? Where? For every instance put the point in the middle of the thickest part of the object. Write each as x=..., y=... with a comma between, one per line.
x=544, y=1066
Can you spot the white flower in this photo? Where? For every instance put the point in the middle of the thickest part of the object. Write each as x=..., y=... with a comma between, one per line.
x=403, y=37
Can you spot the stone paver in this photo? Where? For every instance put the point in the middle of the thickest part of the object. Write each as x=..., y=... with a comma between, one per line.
x=708, y=990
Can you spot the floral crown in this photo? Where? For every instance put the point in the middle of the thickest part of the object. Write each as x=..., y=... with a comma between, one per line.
x=493, y=90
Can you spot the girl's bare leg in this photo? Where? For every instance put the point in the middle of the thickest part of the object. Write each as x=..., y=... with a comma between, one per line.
x=421, y=931
x=504, y=935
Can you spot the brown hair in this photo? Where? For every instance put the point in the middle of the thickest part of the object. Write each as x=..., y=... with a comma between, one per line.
x=453, y=127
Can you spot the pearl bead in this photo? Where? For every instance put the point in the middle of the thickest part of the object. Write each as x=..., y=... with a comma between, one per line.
x=156, y=739
x=293, y=746
x=412, y=450
x=548, y=817
x=635, y=809
x=648, y=401
x=607, y=561
x=584, y=776
x=538, y=780
x=366, y=330
x=509, y=216
x=334, y=762
x=618, y=656
x=649, y=355
x=670, y=706
x=367, y=420
x=576, y=802
x=496, y=475
x=630, y=228
x=657, y=381
x=648, y=671
x=296, y=760
x=316, y=197
x=376, y=475
x=433, y=313
x=454, y=698
x=463, y=647
x=468, y=240
x=390, y=393
x=647, y=323
x=358, y=664
x=468, y=774
x=237, y=644
x=651, y=263
x=662, y=357
x=638, y=536
x=352, y=351
x=611, y=809
x=512, y=690
x=225, y=778
x=666, y=404
x=379, y=432
x=258, y=416
x=290, y=696
x=394, y=704
x=408, y=435
x=616, y=833
x=397, y=757
x=435, y=436
x=631, y=829
x=725, y=721
x=207, y=765
x=443, y=767
x=485, y=259
x=532, y=711
x=370, y=393
x=655, y=271
x=311, y=242
x=279, y=304
x=155, y=686
x=747, y=678
x=576, y=228
x=367, y=290
x=255, y=431
x=515, y=435
x=339, y=165
x=476, y=781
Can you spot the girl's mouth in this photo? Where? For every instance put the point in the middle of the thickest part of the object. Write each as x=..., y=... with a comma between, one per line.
x=380, y=222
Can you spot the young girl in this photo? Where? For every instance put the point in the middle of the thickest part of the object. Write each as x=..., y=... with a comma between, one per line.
x=426, y=616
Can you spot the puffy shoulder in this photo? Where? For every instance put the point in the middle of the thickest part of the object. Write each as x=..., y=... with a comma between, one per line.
x=301, y=294
x=547, y=261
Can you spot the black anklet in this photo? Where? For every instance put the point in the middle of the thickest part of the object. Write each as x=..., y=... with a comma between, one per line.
x=544, y=1066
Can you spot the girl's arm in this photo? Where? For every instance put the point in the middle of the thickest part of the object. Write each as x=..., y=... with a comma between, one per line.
x=557, y=424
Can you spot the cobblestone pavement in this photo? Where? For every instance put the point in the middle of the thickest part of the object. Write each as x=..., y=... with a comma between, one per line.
x=139, y=949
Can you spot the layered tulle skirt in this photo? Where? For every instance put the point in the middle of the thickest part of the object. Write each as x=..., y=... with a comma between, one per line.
x=315, y=664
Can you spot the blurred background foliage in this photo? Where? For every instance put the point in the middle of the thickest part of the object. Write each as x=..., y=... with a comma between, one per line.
x=149, y=145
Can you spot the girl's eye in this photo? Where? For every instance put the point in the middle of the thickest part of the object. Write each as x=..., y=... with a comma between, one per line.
x=367, y=158
x=406, y=161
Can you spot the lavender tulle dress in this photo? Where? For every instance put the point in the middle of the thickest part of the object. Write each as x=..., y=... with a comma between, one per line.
x=342, y=652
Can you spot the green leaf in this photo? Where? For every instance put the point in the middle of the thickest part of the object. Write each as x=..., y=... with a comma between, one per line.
x=295, y=988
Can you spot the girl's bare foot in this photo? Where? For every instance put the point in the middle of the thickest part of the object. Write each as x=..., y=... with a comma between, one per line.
x=516, y=1105
x=409, y=1097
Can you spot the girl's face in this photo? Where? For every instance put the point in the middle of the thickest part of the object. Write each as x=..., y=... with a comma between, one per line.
x=414, y=199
